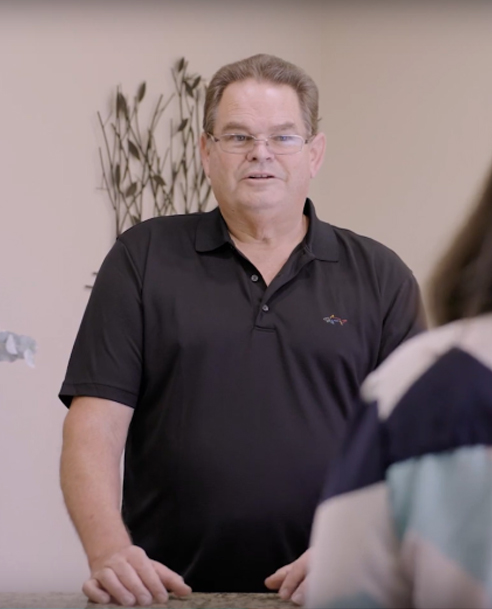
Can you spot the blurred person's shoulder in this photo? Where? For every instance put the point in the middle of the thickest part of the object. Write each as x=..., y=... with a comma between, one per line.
x=409, y=362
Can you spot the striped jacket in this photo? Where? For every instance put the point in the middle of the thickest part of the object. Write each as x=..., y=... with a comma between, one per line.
x=406, y=515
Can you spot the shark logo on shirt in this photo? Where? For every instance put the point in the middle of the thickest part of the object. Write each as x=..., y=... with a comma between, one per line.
x=334, y=320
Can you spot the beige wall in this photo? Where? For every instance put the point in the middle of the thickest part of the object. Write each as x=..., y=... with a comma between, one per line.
x=406, y=98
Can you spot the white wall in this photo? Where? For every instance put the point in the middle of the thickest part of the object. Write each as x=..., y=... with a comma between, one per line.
x=406, y=97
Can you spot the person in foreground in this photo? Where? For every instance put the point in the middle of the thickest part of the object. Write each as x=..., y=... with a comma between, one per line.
x=406, y=519
x=223, y=352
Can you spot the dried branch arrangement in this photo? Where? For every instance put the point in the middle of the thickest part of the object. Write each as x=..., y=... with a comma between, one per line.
x=147, y=171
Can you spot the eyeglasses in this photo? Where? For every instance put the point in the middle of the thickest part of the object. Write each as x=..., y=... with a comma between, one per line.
x=235, y=143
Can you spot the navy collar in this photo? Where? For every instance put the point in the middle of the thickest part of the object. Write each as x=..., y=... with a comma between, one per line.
x=320, y=241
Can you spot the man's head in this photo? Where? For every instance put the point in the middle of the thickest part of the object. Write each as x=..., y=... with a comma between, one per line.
x=258, y=147
x=264, y=68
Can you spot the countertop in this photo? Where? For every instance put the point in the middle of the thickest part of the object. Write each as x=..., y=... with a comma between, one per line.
x=58, y=600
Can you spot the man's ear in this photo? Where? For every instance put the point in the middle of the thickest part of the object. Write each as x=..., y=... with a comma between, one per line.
x=317, y=153
x=205, y=152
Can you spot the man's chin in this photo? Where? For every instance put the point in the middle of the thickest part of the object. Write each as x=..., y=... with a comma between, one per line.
x=260, y=204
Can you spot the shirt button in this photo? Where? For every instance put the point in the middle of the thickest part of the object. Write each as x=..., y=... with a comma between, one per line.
x=265, y=308
x=254, y=277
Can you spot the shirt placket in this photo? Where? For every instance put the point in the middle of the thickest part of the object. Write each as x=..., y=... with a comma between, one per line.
x=263, y=296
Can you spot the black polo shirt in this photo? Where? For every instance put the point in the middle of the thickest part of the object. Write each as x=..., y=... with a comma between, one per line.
x=241, y=391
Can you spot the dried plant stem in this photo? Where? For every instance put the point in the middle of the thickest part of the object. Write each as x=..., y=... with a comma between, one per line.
x=135, y=169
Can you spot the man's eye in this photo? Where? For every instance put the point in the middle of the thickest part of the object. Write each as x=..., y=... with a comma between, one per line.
x=236, y=138
x=284, y=139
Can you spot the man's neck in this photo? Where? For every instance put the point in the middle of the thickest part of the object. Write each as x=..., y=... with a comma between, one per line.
x=266, y=231
x=265, y=240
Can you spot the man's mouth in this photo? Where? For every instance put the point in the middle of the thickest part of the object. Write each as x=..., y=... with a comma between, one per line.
x=260, y=176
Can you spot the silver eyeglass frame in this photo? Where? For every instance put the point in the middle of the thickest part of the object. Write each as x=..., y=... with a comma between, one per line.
x=254, y=140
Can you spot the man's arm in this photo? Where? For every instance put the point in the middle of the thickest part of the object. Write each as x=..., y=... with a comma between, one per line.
x=94, y=436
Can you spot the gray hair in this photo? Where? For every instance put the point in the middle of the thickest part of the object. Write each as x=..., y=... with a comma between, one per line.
x=264, y=68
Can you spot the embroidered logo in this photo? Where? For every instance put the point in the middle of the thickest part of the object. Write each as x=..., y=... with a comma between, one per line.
x=334, y=320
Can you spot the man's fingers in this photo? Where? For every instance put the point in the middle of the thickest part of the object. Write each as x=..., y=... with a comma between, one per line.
x=134, y=577
x=95, y=593
x=299, y=595
x=150, y=577
x=292, y=580
x=274, y=581
x=171, y=580
x=109, y=581
x=130, y=577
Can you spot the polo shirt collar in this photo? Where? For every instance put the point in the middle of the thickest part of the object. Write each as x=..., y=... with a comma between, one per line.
x=320, y=240
x=211, y=232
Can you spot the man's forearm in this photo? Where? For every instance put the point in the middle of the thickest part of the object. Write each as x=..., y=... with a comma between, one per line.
x=95, y=514
x=90, y=476
x=94, y=436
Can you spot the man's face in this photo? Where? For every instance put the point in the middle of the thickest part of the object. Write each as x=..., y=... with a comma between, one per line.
x=259, y=179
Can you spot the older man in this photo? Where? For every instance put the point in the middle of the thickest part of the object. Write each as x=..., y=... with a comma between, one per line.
x=224, y=351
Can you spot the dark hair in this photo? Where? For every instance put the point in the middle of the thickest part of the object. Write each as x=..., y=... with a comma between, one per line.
x=462, y=283
x=264, y=68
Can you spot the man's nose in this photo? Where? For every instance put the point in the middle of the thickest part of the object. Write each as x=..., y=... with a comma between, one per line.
x=260, y=150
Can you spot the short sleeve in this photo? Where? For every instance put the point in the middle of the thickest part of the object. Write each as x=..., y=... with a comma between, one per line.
x=403, y=318
x=106, y=359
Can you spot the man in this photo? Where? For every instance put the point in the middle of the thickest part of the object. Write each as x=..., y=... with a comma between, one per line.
x=224, y=352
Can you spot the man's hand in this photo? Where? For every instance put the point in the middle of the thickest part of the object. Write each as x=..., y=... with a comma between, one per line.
x=290, y=580
x=130, y=577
